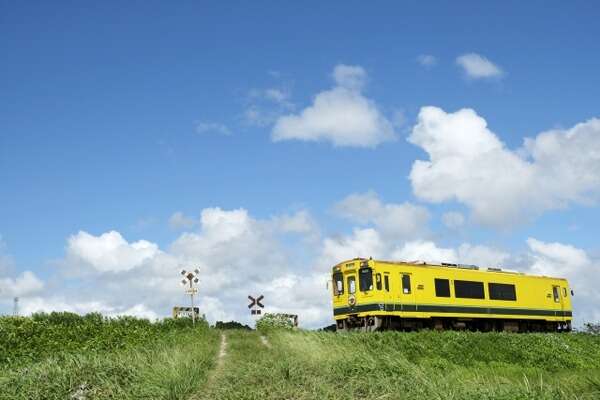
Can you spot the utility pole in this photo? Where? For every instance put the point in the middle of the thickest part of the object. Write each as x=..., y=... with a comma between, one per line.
x=191, y=279
x=16, y=306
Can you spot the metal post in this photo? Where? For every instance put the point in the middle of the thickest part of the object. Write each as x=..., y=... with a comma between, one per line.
x=192, y=298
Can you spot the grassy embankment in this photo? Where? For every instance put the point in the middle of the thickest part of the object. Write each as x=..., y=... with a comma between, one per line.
x=64, y=356
x=422, y=365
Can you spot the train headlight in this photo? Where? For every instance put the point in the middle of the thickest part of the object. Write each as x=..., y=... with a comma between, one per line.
x=351, y=300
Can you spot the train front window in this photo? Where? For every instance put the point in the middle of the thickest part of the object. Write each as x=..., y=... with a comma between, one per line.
x=365, y=279
x=338, y=283
x=351, y=285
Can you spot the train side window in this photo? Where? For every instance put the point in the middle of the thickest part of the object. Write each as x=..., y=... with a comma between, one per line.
x=469, y=290
x=565, y=292
x=555, y=294
x=406, y=284
x=378, y=281
x=502, y=291
x=442, y=287
x=386, y=283
x=351, y=284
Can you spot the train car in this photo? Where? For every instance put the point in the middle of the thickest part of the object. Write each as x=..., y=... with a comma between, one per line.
x=377, y=295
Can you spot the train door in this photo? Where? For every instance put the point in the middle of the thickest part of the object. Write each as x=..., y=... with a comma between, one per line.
x=556, y=295
x=406, y=292
x=351, y=285
x=386, y=286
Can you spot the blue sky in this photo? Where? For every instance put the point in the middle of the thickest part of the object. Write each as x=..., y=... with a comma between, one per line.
x=115, y=116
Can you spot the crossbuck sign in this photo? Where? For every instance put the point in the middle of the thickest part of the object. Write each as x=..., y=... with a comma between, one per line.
x=255, y=304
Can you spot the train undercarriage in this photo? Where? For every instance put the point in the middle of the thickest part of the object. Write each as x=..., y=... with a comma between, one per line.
x=395, y=323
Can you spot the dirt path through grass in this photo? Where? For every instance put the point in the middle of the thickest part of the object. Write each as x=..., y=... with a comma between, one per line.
x=222, y=351
x=213, y=375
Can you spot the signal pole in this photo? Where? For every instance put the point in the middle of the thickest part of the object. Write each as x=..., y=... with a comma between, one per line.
x=191, y=279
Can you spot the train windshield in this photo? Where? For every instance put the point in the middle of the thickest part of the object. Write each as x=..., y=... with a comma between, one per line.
x=365, y=279
x=338, y=283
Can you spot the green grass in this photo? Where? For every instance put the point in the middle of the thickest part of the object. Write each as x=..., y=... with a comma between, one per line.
x=62, y=356
x=150, y=361
x=422, y=365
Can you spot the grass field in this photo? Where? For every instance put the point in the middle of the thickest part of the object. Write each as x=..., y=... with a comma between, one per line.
x=64, y=356
x=177, y=362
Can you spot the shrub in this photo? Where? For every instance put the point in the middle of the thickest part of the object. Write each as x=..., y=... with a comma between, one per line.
x=274, y=321
x=593, y=328
x=231, y=325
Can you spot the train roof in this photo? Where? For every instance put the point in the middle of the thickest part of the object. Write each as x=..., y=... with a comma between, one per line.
x=420, y=263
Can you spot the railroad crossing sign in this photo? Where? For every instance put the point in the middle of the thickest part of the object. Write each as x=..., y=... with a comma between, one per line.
x=191, y=279
x=256, y=305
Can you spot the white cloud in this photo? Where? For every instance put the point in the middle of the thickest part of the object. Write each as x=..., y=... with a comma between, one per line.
x=582, y=272
x=453, y=220
x=180, y=221
x=264, y=106
x=214, y=127
x=469, y=164
x=299, y=222
x=424, y=251
x=483, y=256
x=397, y=220
x=341, y=115
x=465, y=254
x=109, y=252
x=476, y=66
x=238, y=255
x=427, y=60
x=56, y=303
x=350, y=76
x=363, y=243
x=24, y=285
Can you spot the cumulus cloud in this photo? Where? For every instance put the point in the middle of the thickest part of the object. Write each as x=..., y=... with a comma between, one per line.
x=350, y=76
x=341, y=115
x=238, y=255
x=476, y=66
x=212, y=127
x=399, y=220
x=582, y=271
x=12, y=284
x=109, y=252
x=465, y=254
x=363, y=243
x=23, y=285
x=469, y=164
x=180, y=221
x=427, y=60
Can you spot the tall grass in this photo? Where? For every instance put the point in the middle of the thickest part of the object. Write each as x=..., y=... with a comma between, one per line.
x=91, y=357
x=422, y=365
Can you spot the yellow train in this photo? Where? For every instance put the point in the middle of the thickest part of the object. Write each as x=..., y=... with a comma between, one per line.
x=377, y=295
